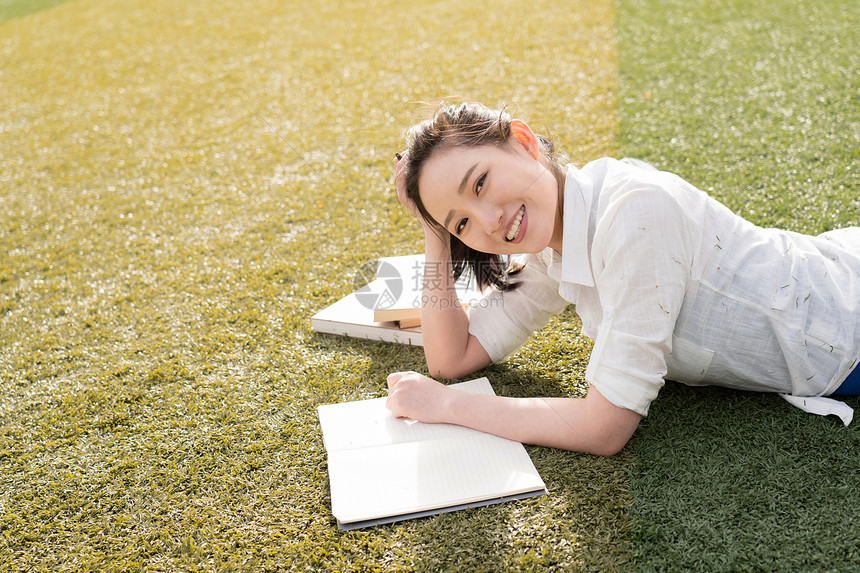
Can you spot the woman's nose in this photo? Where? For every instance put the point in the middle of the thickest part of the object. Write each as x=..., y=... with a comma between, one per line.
x=490, y=217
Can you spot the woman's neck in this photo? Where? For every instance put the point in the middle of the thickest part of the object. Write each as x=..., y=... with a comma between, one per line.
x=557, y=238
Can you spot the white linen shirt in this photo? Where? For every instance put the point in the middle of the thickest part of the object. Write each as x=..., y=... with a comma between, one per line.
x=670, y=284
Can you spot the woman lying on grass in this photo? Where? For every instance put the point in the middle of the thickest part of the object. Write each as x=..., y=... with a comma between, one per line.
x=668, y=283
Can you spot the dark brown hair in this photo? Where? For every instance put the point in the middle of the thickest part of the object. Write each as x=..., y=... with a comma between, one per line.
x=468, y=125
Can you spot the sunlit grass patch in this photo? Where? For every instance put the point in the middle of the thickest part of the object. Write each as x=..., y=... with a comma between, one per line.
x=183, y=185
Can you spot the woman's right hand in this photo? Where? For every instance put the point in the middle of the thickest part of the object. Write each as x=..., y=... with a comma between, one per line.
x=417, y=397
x=401, y=162
x=431, y=232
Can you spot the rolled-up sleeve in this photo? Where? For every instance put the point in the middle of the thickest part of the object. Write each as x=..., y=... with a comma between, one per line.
x=642, y=259
x=502, y=321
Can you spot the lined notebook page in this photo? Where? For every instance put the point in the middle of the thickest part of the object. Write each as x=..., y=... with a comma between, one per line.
x=405, y=478
x=380, y=466
x=368, y=423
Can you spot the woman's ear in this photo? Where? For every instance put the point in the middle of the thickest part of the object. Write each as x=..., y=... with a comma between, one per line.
x=525, y=137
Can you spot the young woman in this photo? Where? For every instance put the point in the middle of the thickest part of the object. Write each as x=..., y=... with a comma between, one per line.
x=668, y=283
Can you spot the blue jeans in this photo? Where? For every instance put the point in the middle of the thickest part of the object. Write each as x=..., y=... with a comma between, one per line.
x=851, y=385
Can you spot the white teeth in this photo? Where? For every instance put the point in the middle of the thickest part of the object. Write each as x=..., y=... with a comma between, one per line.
x=515, y=228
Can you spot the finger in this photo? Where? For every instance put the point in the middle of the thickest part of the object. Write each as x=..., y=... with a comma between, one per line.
x=393, y=379
x=401, y=160
x=389, y=403
x=400, y=185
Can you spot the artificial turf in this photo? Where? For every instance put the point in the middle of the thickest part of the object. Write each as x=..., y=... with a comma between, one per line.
x=182, y=185
x=758, y=102
x=17, y=8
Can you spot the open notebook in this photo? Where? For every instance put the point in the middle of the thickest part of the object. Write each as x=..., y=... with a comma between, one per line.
x=383, y=469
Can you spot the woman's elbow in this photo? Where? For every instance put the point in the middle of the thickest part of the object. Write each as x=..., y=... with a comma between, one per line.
x=610, y=427
x=613, y=435
x=610, y=446
x=455, y=359
x=451, y=367
x=595, y=442
x=446, y=370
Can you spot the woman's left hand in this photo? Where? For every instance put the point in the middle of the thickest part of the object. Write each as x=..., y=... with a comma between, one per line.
x=412, y=395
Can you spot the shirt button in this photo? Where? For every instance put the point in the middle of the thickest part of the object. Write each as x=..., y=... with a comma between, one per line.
x=587, y=324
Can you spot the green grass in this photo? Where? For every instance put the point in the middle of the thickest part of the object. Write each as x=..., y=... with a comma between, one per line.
x=16, y=8
x=183, y=186
x=759, y=103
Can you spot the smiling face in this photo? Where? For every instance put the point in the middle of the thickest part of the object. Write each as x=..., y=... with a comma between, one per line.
x=499, y=200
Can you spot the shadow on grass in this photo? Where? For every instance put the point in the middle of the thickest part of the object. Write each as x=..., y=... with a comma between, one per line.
x=727, y=478
x=758, y=107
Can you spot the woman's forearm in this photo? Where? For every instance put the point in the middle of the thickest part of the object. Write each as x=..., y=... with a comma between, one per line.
x=449, y=349
x=591, y=424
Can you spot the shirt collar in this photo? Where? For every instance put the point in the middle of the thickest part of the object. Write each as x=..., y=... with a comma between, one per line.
x=575, y=260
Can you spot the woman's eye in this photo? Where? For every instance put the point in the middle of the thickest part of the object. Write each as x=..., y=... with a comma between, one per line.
x=460, y=226
x=479, y=184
